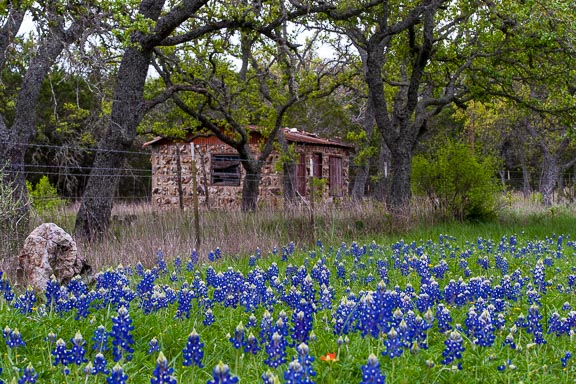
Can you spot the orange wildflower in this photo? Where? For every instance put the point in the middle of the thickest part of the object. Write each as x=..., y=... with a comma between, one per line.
x=330, y=357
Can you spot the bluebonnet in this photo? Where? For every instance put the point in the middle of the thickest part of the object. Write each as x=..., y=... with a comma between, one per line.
x=371, y=373
x=393, y=343
x=52, y=292
x=153, y=346
x=480, y=328
x=276, y=350
x=122, y=338
x=99, y=365
x=305, y=361
x=565, y=359
x=326, y=297
x=13, y=338
x=208, y=317
x=251, y=344
x=6, y=288
x=77, y=353
x=221, y=375
x=266, y=326
x=25, y=302
x=454, y=349
x=444, y=318
x=60, y=353
x=161, y=262
x=538, y=276
x=251, y=321
x=100, y=339
x=341, y=271
x=193, y=352
x=82, y=305
x=162, y=373
x=29, y=375
x=345, y=316
x=269, y=378
x=533, y=324
x=193, y=261
x=51, y=337
x=509, y=341
x=238, y=339
x=295, y=374
x=117, y=375
x=302, y=323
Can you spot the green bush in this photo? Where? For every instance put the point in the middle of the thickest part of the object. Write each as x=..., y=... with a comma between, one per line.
x=459, y=184
x=44, y=197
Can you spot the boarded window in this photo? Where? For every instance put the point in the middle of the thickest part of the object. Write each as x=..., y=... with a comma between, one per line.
x=317, y=161
x=225, y=170
x=336, y=179
x=301, y=175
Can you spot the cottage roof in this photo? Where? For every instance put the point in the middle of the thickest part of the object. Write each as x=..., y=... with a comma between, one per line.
x=292, y=135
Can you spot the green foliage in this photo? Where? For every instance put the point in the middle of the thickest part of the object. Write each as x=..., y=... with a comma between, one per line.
x=44, y=197
x=460, y=184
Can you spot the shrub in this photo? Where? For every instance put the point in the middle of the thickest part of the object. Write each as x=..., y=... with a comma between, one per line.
x=44, y=197
x=458, y=183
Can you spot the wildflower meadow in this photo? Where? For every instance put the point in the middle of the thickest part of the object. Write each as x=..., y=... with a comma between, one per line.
x=445, y=310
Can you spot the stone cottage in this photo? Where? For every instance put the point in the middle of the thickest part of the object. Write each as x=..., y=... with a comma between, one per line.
x=220, y=173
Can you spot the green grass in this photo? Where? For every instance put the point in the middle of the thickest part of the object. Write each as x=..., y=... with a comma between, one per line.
x=532, y=362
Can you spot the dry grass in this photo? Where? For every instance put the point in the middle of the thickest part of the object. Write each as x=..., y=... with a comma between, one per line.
x=138, y=231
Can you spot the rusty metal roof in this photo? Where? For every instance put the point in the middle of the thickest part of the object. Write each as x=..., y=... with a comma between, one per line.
x=292, y=135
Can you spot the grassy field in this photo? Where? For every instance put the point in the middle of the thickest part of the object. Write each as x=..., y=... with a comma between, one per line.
x=350, y=301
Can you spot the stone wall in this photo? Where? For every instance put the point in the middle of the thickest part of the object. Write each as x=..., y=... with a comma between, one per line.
x=165, y=189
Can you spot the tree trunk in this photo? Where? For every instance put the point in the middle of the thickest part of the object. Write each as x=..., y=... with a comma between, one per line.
x=250, y=186
x=550, y=172
x=382, y=185
x=363, y=170
x=15, y=140
x=400, y=171
x=526, y=189
x=93, y=217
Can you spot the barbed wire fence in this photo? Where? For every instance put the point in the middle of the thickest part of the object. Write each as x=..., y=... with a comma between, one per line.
x=136, y=180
